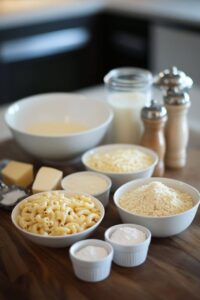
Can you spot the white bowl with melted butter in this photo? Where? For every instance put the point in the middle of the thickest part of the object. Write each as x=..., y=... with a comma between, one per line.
x=97, y=185
x=58, y=126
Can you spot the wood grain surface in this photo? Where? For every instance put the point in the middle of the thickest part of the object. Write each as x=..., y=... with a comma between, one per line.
x=171, y=271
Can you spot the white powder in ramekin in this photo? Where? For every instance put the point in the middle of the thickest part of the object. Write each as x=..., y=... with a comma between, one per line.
x=128, y=236
x=91, y=253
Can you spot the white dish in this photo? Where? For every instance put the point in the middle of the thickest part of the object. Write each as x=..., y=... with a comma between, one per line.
x=102, y=195
x=57, y=241
x=91, y=271
x=129, y=255
x=58, y=107
x=120, y=178
x=159, y=226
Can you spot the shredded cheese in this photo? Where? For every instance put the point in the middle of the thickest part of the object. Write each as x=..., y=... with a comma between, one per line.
x=156, y=199
x=120, y=160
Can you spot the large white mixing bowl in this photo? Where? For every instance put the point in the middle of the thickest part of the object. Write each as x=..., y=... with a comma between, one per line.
x=58, y=107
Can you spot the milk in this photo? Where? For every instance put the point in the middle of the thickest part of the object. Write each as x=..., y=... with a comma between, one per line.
x=127, y=126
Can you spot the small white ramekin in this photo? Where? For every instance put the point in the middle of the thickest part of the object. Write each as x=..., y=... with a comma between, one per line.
x=129, y=255
x=102, y=196
x=91, y=271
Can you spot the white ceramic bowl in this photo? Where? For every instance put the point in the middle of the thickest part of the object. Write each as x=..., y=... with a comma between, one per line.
x=58, y=107
x=129, y=255
x=91, y=271
x=120, y=178
x=159, y=226
x=102, y=195
x=57, y=241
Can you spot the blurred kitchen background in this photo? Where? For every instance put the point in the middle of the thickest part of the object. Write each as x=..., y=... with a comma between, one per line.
x=66, y=45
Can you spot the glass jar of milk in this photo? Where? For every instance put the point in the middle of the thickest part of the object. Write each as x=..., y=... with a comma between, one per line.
x=129, y=89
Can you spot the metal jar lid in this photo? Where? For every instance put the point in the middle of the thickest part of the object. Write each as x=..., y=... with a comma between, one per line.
x=125, y=79
x=154, y=111
x=173, y=77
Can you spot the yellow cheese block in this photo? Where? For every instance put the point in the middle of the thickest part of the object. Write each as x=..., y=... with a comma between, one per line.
x=47, y=179
x=18, y=173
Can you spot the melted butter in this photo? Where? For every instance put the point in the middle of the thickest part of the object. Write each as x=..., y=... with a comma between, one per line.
x=56, y=128
x=85, y=182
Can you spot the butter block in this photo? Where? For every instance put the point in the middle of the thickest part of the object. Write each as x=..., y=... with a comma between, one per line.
x=18, y=173
x=47, y=179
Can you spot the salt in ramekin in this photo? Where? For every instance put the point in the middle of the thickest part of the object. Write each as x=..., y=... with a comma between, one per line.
x=129, y=255
x=92, y=271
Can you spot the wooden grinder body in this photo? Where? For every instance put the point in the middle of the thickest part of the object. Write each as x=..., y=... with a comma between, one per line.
x=177, y=134
x=154, y=139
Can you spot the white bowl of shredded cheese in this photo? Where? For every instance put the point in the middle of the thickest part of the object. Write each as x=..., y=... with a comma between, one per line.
x=121, y=162
x=165, y=206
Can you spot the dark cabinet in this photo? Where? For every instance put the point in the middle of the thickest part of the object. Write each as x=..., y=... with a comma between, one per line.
x=68, y=54
x=127, y=41
x=62, y=56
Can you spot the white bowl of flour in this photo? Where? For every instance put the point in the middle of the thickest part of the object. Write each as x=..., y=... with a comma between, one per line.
x=165, y=206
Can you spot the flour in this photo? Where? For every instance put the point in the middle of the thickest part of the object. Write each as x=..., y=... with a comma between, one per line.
x=156, y=199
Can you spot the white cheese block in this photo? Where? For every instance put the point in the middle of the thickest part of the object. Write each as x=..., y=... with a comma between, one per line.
x=47, y=179
x=18, y=173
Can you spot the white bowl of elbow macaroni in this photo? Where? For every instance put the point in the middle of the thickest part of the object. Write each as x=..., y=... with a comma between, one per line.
x=57, y=218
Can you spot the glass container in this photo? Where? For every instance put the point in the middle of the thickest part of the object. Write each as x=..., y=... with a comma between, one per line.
x=129, y=89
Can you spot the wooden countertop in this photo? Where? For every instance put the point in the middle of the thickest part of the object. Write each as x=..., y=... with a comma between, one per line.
x=172, y=269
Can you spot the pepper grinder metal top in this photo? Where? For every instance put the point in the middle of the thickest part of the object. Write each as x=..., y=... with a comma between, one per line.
x=176, y=97
x=176, y=85
x=154, y=118
x=155, y=111
x=173, y=78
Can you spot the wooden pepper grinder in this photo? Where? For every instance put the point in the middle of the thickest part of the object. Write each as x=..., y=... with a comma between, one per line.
x=177, y=102
x=154, y=118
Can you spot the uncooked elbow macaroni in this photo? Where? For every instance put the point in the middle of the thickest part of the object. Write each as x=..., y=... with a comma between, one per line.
x=120, y=160
x=55, y=213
